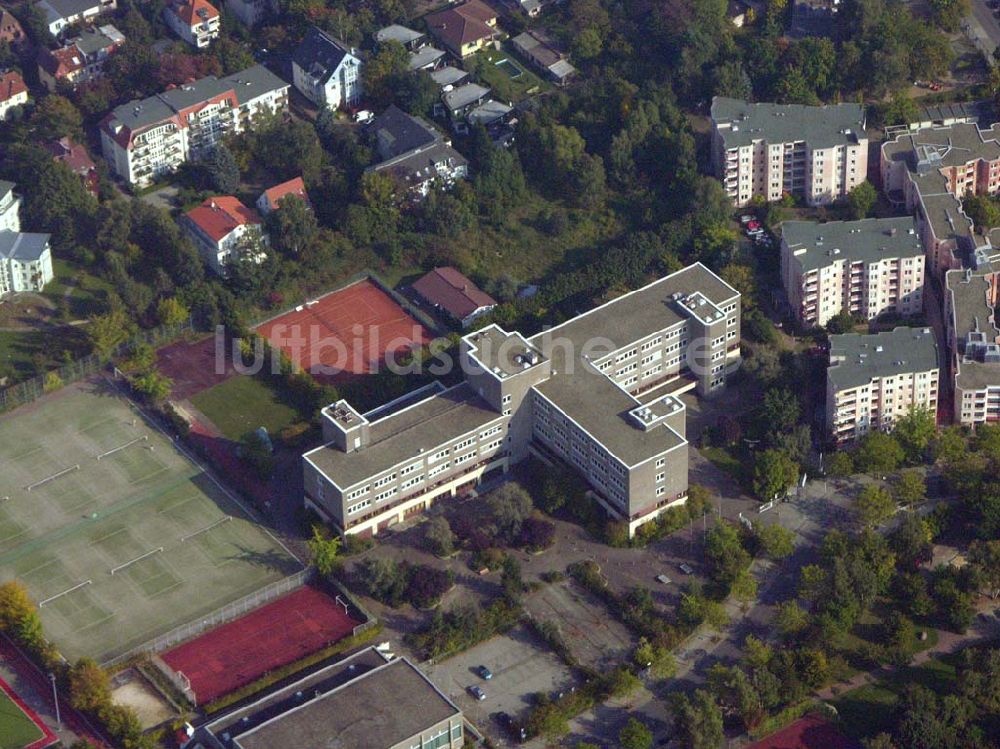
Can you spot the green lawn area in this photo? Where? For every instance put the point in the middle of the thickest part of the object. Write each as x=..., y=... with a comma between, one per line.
x=498, y=77
x=723, y=460
x=241, y=404
x=86, y=292
x=16, y=729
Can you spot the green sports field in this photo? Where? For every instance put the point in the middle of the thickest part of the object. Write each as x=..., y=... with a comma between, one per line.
x=17, y=730
x=117, y=535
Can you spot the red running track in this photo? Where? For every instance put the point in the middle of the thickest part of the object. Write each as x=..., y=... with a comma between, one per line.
x=39, y=682
x=810, y=732
x=235, y=654
x=349, y=331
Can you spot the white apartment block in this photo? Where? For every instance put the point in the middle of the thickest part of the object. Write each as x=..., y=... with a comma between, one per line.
x=25, y=258
x=144, y=140
x=326, y=71
x=767, y=150
x=875, y=380
x=868, y=268
x=567, y=394
x=194, y=21
x=10, y=205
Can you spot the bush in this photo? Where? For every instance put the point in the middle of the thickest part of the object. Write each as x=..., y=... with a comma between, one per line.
x=488, y=559
x=537, y=534
x=438, y=536
x=455, y=630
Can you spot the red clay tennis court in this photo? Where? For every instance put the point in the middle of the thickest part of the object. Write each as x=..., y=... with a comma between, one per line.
x=235, y=654
x=349, y=330
x=810, y=732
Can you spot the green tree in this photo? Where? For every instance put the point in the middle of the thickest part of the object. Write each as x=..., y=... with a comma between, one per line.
x=861, y=199
x=874, y=505
x=983, y=210
x=949, y=13
x=108, y=331
x=55, y=117
x=839, y=464
x=774, y=474
x=439, y=537
x=724, y=554
x=984, y=556
x=509, y=505
x=153, y=385
x=911, y=541
x=790, y=618
x=89, y=686
x=15, y=604
x=909, y=488
x=293, y=228
x=635, y=735
x=324, y=549
x=915, y=432
x=224, y=170
x=699, y=720
x=776, y=541
x=744, y=587
x=840, y=323
x=381, y=71
x=878, y=454
x=171, y=311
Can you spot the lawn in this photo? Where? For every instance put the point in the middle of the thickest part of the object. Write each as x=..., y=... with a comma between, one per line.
x=499, y=77
x=723, y=460
x=83, y=291
x=241, y=404
x=17, y=730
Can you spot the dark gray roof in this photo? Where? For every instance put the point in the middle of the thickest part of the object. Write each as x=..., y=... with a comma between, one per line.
x=489, y=112
x=816, y=245
x=320, y=54
x=397, y=33
x=397, y=132
x=448, y=76
x=464, y=95
x=253, y=82
x=94, y=39
x=822, y=127
x=970, y=292
x=5, y=187
x=66, y=8
x=402, y=435
x=856, y=360
x=425, y=56
x=420, y=164
x=23, y=246
x=973, y=111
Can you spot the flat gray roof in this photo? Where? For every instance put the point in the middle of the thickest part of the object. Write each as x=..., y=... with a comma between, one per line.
x=425, y=56
x=972, y=311
x=885, y=354
x=448, y=76
x=464, y=95
x=397, y=33
x=822, y=127
x=817, y=245
x=404, y=434
x=379, y=709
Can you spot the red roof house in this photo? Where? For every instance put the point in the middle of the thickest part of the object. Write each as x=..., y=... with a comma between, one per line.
x=450, y=291
x=75, y=156
x=464, y=29
x=13, y=92
x=810, y=732
x=270, y=198
x=221, y=225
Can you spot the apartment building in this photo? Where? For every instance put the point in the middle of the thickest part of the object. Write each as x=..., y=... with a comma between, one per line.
x=929, y=171
x=364, y=701
x=767, y=150
x=10, y=206
x=875, y=380
x=25, y=258
x=195, y=21
x=13, y=92
x=143, y=140
x=571, y=393
x=327, y=71
x=62, y=13
x=868, y=268
x=81, y=59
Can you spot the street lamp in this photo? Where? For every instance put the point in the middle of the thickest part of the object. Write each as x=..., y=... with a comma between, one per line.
x=55, y=698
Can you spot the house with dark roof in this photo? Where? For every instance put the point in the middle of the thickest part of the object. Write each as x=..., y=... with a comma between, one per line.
x=464, y=29
x=13, y=92
x=75, y=156
x=81, y=59
x=223, y=228
x=414, y=152
x=194, y=21
x=62, y=13
x=449, y=291
x=327, y=71
x=11, y=30
x=412, y=40
x=270, y=199
x=539, y=49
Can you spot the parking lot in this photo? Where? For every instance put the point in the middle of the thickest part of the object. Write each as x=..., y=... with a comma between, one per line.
x=521, y=665
x=595, y=638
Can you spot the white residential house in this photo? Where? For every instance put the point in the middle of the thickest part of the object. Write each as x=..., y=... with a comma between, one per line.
x=327, y=71
x=13, y=92
x=194, y=21
x=10, y=204
x=62, y=13
x=222, y=226
x=271, y=198
x=25, y=258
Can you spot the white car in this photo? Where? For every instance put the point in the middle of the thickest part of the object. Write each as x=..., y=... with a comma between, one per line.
x=686, y=569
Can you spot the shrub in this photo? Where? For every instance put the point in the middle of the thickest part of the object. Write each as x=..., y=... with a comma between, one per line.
x=427, y=585
x=537, y=534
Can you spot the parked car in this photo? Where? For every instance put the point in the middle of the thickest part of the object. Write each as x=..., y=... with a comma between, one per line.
x=484, y=672
x=746, y=219
x=686, y=568
x=753, y=225
x=477, y=693
x=663, y=579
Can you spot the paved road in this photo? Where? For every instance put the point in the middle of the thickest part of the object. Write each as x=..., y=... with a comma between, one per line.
x=982, y=27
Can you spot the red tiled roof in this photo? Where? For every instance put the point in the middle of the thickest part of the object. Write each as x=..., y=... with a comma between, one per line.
x=218, y=217
x=74, y=155
x=810, y=732
x=451, y=291
x=11, y=84
x=61, y=62
x=294, y=187
x=187, y=11
x=462, y=24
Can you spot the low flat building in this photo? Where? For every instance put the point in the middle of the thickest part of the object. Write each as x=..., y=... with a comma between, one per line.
x=62, y=13
x=452, y=293
x=464, y=29
x=327, y=71
x=223, y=228
x=146, y=139
x=426, y=58
x=867, y=268
x=570, y=394
x=764, y=150
x=449, y=76
x=415, y=153
x=81, y=59
x=197, y=22
x=270, y=199
x=875, y=380
x=409, y=38
x=364, y=701
x=539, y=49
x=13, y=93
